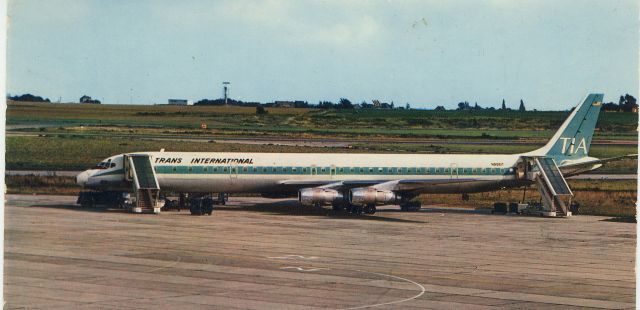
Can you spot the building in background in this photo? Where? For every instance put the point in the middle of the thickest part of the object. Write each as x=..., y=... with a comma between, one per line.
x=180, y=102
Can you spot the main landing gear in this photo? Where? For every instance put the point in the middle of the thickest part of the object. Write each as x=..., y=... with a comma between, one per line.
x=411, y=206
x=359, y=210
x=203, y=204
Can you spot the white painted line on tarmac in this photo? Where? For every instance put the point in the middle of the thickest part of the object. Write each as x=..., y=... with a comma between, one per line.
x=294, y=257
x=303, y=269
x=422, y=291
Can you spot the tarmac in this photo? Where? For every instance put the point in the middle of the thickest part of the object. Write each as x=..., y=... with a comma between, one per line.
x=257, y=253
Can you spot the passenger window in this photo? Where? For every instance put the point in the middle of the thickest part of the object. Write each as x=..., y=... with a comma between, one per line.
x=174, y=169
x=244, y=169
x=206, y=169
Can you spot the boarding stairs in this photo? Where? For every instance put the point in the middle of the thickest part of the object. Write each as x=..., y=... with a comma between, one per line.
x=553, y=188
x=145, y=183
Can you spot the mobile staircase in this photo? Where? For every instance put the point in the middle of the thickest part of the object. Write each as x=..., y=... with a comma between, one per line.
x=145, y=183
x=553, y=188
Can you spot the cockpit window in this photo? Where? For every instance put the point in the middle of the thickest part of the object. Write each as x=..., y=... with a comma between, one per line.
x=102, y=165
x=105, y=165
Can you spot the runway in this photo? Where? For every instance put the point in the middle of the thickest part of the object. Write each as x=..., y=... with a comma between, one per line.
x=257, y=253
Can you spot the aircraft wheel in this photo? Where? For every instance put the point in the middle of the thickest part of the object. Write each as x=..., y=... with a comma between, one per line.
x=196, y=210
x=370, y=209
x=415, y=207
x=411, y=206
x=358, y=210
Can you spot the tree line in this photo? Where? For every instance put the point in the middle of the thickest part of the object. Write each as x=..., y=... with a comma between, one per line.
x=626, y=103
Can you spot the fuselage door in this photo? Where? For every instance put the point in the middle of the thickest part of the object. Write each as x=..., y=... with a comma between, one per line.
x=128, y=174
x=233, y=172
x=314, y=170
x=454, y=171
x=332, y=171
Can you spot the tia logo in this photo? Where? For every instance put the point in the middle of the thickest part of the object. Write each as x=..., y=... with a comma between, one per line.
x=572, y=146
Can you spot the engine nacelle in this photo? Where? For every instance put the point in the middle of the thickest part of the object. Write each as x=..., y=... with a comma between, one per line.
x=318, y=196
x=370, y=196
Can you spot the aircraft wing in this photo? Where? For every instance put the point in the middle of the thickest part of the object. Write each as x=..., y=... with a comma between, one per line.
x=400, y=185
x=582, y=167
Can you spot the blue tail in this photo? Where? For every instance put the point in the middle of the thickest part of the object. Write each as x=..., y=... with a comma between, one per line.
x=573, y=140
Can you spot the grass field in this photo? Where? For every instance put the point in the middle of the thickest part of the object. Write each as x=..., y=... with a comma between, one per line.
x=297, y=122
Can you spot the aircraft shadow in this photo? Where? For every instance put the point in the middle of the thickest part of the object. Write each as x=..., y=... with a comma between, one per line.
x=294, y=209
x=621, y=219
x=80, y=208
x=276, y=208
x=454, y=210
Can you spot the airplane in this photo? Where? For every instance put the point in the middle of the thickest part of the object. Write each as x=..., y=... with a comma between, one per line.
x=355, y=182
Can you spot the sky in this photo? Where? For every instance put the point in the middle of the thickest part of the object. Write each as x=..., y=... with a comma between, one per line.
x=426, y=53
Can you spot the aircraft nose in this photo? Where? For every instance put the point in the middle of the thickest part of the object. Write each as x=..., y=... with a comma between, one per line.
x=82, y=177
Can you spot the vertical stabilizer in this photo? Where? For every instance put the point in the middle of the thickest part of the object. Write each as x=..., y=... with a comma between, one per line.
x=573, y=140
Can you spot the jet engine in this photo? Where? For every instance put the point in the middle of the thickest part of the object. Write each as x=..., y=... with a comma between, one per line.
x=370, y=196
x=318, y=196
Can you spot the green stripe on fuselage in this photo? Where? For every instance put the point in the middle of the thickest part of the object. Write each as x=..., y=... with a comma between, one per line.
x=297, y=170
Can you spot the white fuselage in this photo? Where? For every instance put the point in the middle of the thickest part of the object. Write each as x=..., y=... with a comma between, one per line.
x=267, y=172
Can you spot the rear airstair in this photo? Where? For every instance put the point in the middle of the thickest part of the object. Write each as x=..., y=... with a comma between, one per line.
x=145, y=183
x=553, y=188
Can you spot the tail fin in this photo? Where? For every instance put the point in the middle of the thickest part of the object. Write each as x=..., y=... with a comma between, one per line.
x=573, y=139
